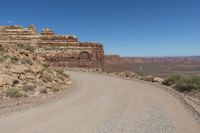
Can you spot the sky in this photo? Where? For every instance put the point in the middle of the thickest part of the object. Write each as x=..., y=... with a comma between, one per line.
x=124, y=27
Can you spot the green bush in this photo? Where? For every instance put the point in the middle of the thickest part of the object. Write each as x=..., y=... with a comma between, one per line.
x=13, y=93
x=2, y=58
x=46, y=78
x=14, y=59
x=45, y=65
x=171, y=80
x=62, y=72
x=188, y=84
x=127, y=74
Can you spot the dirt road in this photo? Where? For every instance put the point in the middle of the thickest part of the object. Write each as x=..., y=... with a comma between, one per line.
x=100, y=104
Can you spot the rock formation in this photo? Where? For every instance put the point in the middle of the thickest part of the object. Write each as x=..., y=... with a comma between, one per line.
x=58, y=50
x=24, y=73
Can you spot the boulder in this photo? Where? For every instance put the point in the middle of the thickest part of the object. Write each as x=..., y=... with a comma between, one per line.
x=17, y=69
x=27, y=77
x=6, y=79
x=36, y=69
x=157, y=79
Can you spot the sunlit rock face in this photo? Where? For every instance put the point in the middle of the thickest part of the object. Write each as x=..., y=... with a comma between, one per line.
x=59, y=50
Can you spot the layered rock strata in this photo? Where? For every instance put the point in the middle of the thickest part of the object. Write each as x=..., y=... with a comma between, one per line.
x=58, y=50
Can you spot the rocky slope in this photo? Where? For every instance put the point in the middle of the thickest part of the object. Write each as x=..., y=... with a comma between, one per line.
x=25, y=74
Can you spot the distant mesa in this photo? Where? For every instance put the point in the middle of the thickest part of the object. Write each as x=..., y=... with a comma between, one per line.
x=59, y=50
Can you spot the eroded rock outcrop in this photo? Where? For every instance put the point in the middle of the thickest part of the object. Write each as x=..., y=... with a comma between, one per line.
x=24, y=73
x=58, y=50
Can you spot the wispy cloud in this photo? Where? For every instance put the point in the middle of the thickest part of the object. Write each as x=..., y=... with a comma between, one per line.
x=9, y=21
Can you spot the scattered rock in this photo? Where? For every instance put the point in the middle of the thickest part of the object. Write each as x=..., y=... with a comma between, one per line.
x=157, y=79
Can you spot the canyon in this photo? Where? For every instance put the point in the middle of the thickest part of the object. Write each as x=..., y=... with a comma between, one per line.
x=158, y=66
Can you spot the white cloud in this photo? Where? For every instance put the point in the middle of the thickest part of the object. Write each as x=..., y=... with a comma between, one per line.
x=9, y=21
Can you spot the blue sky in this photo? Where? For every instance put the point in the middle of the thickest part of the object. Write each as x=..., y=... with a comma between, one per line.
x=125, y=27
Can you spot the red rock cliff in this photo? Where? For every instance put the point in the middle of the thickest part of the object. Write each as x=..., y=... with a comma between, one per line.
x=59, y=50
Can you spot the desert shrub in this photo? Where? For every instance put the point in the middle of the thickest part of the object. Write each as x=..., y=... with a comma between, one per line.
x=13, y=93
x=106, y=70
x=46, y=78
x=45, y=65
x=127, y=74
x=62, y=72
x=2, y=58
x=26, y=47
x=1, y=48
x=171, y=80
x=139, y=73
x=28, y=61
x=43, y=90
x=14, y=59
x=29, y=48
x=188, y=84
x=29, y=87
x=20, y=45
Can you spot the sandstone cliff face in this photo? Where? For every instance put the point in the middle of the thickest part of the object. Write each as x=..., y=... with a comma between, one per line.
x=58, y=50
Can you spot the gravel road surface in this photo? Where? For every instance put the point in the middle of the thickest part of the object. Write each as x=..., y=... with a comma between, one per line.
x=102, y=104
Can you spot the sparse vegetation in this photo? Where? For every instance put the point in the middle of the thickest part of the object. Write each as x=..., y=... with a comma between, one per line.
x=171, y=80
x=14, y=59
x=62, y=72
x=139, y=73
x=2, y=58
x=1, y=48
x=43, y=90
x=183, y=83
x=28, y=61
x=46, y=78
x=127, y=74
x=188, y=84
x=29, y=87
x=26, y=47
x=149, y=78
x=13, y=93
x=45, y=65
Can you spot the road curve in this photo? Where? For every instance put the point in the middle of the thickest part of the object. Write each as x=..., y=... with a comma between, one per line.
x=101, y=104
